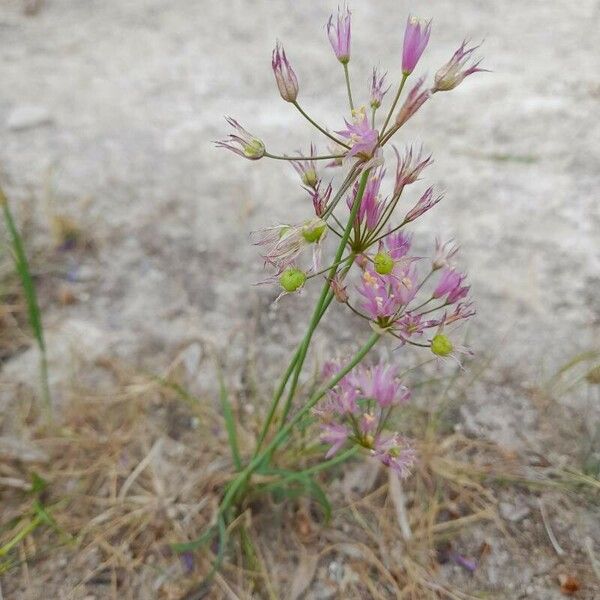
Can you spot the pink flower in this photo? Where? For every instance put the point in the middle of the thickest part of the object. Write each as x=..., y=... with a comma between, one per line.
x=286, y=79
x=416, y=37
x=396, y=453
x=450, y=285
x=397, y=244
x=377, y=91
x=362, y=137
x=453, y=72
x=426, y=202
x=409, y=167
x=443, y=254
x=380, y=302
x=339, y=34
x=320, y=199
x=245, y=144
x=415, y=99
x=463, y=310
x=371, y=205
x=336, y=435
x=307, y=169
x=410, y=325
x=381, y=384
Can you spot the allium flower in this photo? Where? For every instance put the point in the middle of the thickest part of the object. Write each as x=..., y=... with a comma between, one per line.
x=371, y=205
x=453, y=72
x=336, y=435
x=380, y=383
x=284, y=243
x=245, y=144
x=358, y=407
x=362, y=137
x=307, y=169
x=450, y=285
x=411, y=325
x=339, y=290
x=416, y=37
x=463, y=310
x=320, y=199
x=415, y=99
x=443, y=254
x=409, y=167
x=377, y=91
x=385, y=295
x=426, y=202
x=286, y=79
x=396, y=453
x=339, y=151
x=340, y=33
x=397, y=244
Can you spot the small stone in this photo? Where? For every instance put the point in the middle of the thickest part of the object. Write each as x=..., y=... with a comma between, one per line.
x=28, y=117
x=513, y=513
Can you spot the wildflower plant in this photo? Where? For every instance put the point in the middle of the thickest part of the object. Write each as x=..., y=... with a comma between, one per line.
x=404, y=299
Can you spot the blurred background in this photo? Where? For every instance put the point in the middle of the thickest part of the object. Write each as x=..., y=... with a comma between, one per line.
x=138, y=226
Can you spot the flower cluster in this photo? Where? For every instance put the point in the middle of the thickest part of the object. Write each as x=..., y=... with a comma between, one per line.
x=408, y=298
x=358, y=408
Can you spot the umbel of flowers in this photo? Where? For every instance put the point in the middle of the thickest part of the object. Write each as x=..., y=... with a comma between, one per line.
x=407, y=299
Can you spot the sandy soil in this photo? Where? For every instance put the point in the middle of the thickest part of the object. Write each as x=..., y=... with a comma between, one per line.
x=108, y=111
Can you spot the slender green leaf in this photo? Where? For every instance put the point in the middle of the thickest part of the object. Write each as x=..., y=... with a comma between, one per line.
x=33, y=309
x=229, y=420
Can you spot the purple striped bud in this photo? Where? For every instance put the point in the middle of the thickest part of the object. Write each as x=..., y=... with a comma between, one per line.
x=416, y=37
x=286, y=79
x=340, y=34
x=377, y=91
x=415, y=99
x=426, y=202
x=453, y=72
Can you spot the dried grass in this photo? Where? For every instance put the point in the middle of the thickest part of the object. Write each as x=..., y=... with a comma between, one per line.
x=131, y=471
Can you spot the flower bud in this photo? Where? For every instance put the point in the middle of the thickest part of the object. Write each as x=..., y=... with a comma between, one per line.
x=339, y=289
x=292, y=279
x=286, y=79
x=384, y=263
x=441, y=345
x=313, y=231
x=244, y=143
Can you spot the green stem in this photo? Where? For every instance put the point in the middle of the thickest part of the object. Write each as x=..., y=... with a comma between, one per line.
x=293, y=158
x=324, y=293
x=389, y=116
x=241, y=480
x=323, y=131
x=348, y=87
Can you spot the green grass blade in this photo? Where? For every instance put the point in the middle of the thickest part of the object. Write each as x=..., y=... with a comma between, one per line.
x=229, y=420
x=33, y=308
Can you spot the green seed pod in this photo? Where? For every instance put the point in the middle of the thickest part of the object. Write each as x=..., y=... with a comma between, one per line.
x=314, y=230
x=309, y=178
x=384, y=263
x=441, y=345
x=255, y=149
x=292, y=279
